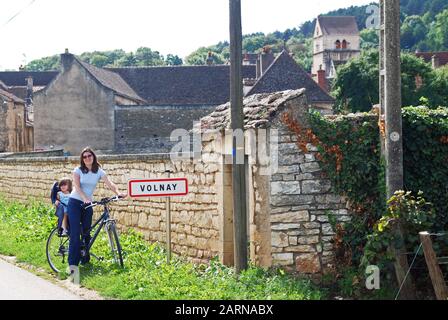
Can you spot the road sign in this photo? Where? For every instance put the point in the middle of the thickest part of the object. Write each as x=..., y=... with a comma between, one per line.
x=158, y=188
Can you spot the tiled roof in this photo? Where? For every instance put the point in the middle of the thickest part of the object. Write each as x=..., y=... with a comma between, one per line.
x=427, y=56
x=335, y=25
x=112, y=81
x=182, y=85
x=286, y=74
x=259, y=110
x=18, y=78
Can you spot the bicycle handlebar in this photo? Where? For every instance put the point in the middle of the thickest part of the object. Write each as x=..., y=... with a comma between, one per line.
x=102, y=202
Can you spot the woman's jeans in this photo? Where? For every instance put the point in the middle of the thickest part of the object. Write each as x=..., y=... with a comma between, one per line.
x=79, y=218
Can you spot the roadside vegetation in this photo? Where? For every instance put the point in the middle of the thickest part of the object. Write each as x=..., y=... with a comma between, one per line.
x=146, y=275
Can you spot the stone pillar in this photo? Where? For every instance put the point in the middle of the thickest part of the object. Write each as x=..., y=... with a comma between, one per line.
x=225, y=208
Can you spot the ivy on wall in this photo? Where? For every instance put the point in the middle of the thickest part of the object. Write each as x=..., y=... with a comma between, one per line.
x=357, y=169
x=425, y=134
x=359, y=176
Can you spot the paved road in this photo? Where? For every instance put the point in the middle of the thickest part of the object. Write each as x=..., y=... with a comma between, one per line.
x=18, y=284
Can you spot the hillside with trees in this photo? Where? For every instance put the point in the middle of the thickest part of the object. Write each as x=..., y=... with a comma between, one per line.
x=424, y=28
x=117, y=58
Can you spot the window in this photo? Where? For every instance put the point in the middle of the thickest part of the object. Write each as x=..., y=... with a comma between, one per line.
x=338, y=44
x=344, y=44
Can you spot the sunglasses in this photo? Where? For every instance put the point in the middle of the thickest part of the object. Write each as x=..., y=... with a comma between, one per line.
x=87, y=156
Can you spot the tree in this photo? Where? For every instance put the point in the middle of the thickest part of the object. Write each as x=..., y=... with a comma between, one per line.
x=146, y=57
x=439, y=87
x=413, y=31
x=44, y=64
x=127, y=60
x=200, y=56
x=302, y=51
x=438, y=34
x=99, y=60
x=173, y=60
x=369, y=39
x=357, y=82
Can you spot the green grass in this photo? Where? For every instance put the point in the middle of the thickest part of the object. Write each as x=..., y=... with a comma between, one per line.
x=146, y=275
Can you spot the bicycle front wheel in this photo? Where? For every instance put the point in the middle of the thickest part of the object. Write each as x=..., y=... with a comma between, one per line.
x=114, y=243
x=57, y=251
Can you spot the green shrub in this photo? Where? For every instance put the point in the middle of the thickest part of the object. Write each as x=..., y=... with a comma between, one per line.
x=360, y=174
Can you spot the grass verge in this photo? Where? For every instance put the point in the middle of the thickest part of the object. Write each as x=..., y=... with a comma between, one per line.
x=146, y=275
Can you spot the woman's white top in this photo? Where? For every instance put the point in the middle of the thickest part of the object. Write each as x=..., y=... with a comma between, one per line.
x=88, y=181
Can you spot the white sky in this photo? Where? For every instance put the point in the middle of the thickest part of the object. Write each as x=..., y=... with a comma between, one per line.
x=179, y=27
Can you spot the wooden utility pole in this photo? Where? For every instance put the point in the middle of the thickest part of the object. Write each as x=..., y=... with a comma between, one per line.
x=390, y=96
x=238, y=151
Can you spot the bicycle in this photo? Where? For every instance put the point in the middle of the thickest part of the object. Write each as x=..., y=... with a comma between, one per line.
x=57, y=245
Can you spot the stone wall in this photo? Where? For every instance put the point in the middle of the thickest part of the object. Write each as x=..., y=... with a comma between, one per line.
x=301, y=201
x=140, y=128
x=195, y=219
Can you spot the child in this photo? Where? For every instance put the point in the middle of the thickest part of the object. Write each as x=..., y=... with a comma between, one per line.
x=65, y=187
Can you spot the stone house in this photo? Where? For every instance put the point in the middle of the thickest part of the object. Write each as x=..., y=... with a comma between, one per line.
x=135, y=110
x=336, y=41
x=437, y=59
x=285, y=74
x=16, y=134
x=175, y=97
x=77, y=107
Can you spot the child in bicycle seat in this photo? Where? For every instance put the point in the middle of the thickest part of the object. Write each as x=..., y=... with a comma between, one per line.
x=65, y=187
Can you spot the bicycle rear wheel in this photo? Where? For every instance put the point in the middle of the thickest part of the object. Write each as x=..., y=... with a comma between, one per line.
x=114, y=243
x=57, y=251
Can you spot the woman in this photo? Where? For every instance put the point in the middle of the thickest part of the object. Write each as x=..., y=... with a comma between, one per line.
x=85, y=180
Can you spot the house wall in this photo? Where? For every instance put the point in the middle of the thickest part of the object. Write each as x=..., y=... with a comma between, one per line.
x=148, y=128
x=354, y=42
x=14, y=135
x=73, y=112
x=323, y=58
x=3, y=127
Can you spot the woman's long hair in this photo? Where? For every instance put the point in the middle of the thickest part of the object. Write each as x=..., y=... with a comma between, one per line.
x=95, y=165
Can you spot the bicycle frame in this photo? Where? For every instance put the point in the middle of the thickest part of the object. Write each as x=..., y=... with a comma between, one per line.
x=102, y=221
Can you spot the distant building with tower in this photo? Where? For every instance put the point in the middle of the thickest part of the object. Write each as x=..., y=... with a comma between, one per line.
x=336, y=41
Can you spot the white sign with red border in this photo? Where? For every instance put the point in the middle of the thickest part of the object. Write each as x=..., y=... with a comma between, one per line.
x=174, y=187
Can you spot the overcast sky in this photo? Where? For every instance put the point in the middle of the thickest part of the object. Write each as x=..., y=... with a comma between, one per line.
x=47, y=27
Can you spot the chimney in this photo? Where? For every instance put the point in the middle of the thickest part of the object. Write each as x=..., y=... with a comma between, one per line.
x=266, y=59
x=322, y=79
x=258, y=67
x=66, y=60
x=210, y=59
x=435, y=62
